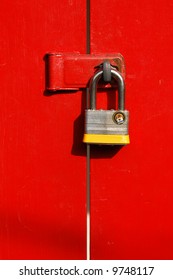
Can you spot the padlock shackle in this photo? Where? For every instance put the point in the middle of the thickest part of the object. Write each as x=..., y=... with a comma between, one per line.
x=121, y=88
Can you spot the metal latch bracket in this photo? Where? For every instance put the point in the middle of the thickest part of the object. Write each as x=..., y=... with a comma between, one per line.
x=72, y=71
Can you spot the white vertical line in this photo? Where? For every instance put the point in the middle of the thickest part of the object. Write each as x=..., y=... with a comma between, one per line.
x=88, y=236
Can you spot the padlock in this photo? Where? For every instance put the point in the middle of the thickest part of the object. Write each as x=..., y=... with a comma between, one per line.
x=107, y=127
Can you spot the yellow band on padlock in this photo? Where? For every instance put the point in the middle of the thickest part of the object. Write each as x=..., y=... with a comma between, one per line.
x=106, y=139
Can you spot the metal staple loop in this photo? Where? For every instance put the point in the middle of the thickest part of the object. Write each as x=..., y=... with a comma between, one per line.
x=106, y=71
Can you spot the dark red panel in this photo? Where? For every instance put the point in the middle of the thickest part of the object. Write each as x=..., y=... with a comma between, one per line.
x=132, y=187
x=42, y=163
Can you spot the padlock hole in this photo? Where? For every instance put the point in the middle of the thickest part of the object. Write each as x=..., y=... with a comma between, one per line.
x=106, y=99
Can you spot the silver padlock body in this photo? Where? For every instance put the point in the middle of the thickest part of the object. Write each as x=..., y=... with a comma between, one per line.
x=103, y=122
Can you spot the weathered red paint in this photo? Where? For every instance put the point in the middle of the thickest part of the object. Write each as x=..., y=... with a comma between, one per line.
x=42, y=162
x=42, y=158
x=73, y=71
x=131, y=189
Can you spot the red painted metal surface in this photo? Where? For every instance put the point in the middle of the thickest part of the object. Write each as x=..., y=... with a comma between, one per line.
x=42, y=157
x=131, y=188
x=42, y=163
x=73, y=71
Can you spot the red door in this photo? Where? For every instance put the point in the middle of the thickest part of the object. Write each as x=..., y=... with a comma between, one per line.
x=42, y=157
x=132, y=190
x=42, y=171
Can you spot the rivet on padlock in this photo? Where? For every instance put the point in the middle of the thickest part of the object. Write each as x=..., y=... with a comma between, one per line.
x=106, y=127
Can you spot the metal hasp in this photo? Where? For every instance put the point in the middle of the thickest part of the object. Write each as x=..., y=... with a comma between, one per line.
x=73, y=71
x=107, y=127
